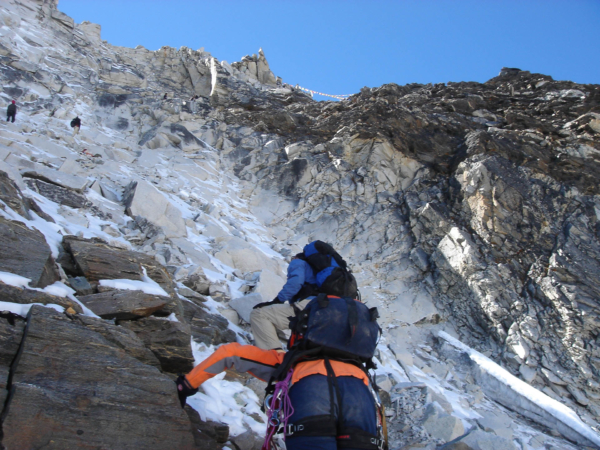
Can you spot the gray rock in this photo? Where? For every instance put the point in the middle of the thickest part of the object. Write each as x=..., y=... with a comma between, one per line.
x=142, y=199
x=96, y=260
x=578, y=395
x=243, y=305
x=12, y=196
x=210, y=329
x=190, y=294
x=26, y=253
x=441, y=425
x=248, y=441
x=62, y=18
x=24, y=296
x=519, y=401
x=497, y=423
x=480, y=440
x=168, y=340
x=199, y=283
x=122, y=338
x=81, y=285
x=57, y=193
x=219, y=292
x=65, y=180
x=207, y=435
x=124, y=305
x=11, y=333
x=420, y=258
x=67, y=382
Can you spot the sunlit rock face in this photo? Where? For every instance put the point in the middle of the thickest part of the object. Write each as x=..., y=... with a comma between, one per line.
x=483, y=202
x=469, y=208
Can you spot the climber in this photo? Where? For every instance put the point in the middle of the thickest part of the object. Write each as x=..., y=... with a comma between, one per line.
x=165, y=96
x=315, y=385
x=76, y=125
x=268, y=317
x=11, y=112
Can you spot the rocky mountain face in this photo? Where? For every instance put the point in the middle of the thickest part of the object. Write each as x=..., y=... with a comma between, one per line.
x=467, y=211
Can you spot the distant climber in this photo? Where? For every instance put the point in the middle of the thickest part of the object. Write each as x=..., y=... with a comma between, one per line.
x=268, y=317
x=76, y=125
x=11, y=112
x=165, y=96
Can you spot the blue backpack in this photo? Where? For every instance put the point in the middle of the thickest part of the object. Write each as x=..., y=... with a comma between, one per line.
x=332, y=273
x=341, y=328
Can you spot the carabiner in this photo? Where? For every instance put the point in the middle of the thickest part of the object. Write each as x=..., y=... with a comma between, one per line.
x=267, y=401
x=274, y=421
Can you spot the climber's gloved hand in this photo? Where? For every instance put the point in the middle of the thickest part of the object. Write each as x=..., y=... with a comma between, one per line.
x=275, y=301
x=184, y=389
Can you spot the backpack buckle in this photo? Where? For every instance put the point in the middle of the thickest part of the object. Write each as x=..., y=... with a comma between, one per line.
x=291, y=429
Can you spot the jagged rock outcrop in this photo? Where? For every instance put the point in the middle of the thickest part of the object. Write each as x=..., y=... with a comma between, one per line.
x=256, y=67
x=123, y=305
x=24, y=296
x=11, y=335
x=69, y=374
x=470, y=189
x=26, y=253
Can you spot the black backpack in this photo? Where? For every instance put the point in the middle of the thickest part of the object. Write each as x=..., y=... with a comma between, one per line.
x=332, y=273
x=342, y=329
x=75, y=122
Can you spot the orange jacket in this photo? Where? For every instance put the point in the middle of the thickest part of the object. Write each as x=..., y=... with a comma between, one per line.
x=261, y=364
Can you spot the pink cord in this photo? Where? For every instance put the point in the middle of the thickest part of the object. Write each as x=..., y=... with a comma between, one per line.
x=279, y=406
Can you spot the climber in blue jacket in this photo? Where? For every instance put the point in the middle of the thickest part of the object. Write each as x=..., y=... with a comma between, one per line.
x=266, y=318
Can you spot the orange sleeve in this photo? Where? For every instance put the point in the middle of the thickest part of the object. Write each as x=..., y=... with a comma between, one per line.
x=243, y=358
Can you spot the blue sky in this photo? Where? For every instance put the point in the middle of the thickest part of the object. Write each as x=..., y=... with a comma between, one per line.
x=339, y=46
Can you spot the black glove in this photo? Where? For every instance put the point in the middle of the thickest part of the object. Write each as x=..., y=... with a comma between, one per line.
x=184, y=390
x=275, y=301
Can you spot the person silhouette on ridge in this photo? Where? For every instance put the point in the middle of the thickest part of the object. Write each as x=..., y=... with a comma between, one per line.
x=11, y=112
x=76, y=125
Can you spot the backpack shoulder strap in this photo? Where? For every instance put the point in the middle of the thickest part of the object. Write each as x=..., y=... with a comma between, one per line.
x=352, y=315
x=323, y=300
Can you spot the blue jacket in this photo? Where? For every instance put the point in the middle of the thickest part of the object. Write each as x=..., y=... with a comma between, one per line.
x=299, y=273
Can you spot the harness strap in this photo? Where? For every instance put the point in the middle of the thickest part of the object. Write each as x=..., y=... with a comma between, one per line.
x=352, y=316
x=331, y=377
x=323, y=300
x=360, y=439
x=321, y=426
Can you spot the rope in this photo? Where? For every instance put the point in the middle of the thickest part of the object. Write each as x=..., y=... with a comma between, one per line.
x=279, y=410
x=339, y=97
